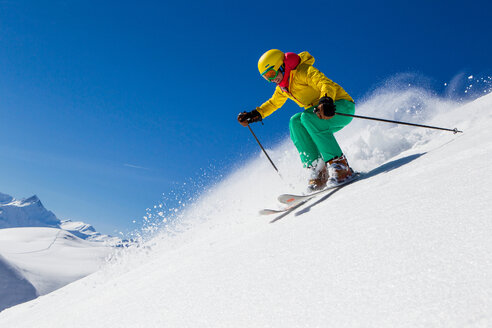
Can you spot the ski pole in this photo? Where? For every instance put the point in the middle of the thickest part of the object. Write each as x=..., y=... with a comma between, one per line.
x=455, y=130
x=259, y=143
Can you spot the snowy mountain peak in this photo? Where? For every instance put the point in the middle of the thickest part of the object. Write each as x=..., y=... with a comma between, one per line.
x=5, y=199
x=31, y=200
x=88, y=232
x=28, y=212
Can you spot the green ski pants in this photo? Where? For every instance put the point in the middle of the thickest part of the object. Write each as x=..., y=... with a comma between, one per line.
x=313, y=137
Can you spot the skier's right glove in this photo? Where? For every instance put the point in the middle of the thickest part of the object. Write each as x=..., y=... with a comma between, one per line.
x=326, y=108
x=245, y=118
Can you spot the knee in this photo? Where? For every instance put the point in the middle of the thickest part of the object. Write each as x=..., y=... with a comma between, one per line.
x=295, y=120
x=306, y=118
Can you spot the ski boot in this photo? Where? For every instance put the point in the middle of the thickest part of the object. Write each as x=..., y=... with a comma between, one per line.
x=339, y=170
x=319, y=176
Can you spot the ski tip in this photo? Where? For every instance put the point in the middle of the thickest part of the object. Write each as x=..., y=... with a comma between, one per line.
x=287, y=198
x=267, y=211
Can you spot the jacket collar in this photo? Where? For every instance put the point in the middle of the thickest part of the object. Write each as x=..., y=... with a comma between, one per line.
x=291, y=61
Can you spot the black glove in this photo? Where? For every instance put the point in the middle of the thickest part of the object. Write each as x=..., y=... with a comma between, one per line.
x=245, y=118
x=326, y=108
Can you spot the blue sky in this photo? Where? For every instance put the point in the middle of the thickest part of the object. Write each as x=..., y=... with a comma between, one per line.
x=107, y=105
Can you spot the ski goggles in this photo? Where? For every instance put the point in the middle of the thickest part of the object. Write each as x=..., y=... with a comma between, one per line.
x=270, y=74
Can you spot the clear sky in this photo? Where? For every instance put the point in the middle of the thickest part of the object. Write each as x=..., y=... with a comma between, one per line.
x=107, y=105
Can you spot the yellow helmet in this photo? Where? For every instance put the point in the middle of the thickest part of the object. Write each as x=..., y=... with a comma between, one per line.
x=272, y=59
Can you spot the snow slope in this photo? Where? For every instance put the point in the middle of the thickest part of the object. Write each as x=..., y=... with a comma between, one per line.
x=408, y=246
x=14, y=288
x=39, y=253
x=50, y=258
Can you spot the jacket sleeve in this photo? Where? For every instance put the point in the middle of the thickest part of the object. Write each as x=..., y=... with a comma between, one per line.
x=319, y=81
x=275, y=102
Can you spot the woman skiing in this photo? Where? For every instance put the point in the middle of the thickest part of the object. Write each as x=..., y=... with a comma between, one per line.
x=311, y=130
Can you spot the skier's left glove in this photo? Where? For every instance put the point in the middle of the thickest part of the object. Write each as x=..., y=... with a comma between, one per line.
x=245, y=118
x=326, y=108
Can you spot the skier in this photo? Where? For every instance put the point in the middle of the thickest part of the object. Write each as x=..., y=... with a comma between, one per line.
x=311, y=130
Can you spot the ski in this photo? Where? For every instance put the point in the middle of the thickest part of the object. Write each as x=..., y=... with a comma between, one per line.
x=296, y=201
x=268, y=211
x=292, y=200
x=283, y=212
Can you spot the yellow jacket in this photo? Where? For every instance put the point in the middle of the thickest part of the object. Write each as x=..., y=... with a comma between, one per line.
x=307, y=85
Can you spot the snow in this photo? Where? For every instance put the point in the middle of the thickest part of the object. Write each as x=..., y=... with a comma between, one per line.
x=5, y=199
x=28, y=212
x=46, y=259
x=39, y=253
x=87, y=232
x=407, y=246
x=14, y=288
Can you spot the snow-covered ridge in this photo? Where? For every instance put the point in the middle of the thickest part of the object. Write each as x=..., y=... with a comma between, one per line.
x=39, y=253
x=28, y=212
x=5, y=199
x=88, y=232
